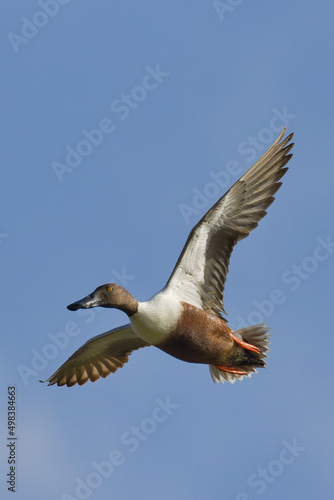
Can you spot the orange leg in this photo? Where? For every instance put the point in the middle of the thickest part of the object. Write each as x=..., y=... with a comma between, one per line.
x=245, y=345
x=230, y=369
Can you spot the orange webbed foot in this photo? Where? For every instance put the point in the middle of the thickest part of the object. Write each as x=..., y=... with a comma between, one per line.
x=230, y=369
x=246, y=345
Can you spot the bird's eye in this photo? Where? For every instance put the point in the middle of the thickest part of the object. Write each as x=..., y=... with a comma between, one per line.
x=109, y=288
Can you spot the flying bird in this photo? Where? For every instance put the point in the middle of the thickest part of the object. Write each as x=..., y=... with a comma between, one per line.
x=185, y=318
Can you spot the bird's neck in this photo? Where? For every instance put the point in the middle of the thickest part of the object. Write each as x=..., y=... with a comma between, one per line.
x=130, y=306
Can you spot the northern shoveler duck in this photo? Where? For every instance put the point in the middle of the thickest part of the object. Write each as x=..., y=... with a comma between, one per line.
x=184, y=319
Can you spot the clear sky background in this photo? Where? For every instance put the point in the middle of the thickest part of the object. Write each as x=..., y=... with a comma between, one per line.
x=208, y=86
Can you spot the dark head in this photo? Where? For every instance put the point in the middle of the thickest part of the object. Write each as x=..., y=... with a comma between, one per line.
x=109, y=295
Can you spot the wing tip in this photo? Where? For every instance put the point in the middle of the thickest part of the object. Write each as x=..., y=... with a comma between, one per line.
x=48, y=381
x=281, y=135
x=284, y=142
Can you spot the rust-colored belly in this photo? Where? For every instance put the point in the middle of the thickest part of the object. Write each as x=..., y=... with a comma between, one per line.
x=199, y=337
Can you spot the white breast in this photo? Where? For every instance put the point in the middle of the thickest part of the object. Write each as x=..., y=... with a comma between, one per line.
x=157, y=317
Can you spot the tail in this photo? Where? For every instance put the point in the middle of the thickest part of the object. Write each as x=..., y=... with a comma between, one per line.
x=258, y=336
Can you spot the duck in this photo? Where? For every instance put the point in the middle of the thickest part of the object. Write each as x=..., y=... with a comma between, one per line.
x=185, y=318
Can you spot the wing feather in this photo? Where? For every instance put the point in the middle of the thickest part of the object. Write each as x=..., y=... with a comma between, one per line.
x=200, y=272
x=98, y=357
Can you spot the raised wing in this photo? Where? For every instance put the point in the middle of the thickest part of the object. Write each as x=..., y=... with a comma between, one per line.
x=200, y=272
x=98, y=357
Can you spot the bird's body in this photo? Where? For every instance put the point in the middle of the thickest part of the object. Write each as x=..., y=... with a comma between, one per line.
x=184, y=318
x=200, y=337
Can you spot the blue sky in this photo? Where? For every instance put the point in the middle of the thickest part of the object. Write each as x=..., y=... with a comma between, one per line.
x=122, y=123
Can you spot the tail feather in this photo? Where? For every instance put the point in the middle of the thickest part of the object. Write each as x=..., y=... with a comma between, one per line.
x=256, y=335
